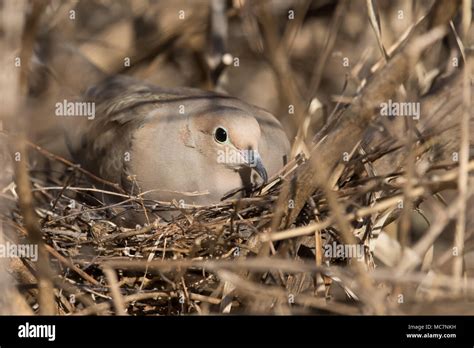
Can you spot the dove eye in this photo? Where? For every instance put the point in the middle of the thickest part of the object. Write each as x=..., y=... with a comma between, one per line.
x=220, y=134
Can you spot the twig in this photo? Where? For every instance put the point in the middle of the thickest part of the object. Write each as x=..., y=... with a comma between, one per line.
x=75, y=166
x=45, y=285
x=463, y=151
x=115, y=290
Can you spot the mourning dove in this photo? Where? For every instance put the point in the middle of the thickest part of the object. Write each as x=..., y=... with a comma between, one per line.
x=185, y=144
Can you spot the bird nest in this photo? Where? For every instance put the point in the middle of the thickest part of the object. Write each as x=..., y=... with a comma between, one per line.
x=84, y=237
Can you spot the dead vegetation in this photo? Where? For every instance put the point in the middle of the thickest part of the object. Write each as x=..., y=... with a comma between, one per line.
x=399, y=188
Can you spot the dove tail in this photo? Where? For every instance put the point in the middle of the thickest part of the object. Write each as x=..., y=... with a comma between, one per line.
x=58, y=62
x=59, y=72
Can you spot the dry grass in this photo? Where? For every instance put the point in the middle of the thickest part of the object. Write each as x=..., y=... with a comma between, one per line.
x=390, y=186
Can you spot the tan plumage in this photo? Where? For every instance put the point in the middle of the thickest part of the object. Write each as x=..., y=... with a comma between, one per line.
x=165, y=140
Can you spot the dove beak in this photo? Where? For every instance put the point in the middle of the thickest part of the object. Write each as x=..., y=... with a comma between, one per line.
x=260, y=169
x=253, y=160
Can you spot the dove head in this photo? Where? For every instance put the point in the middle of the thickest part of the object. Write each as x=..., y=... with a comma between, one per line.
x=229, y=137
